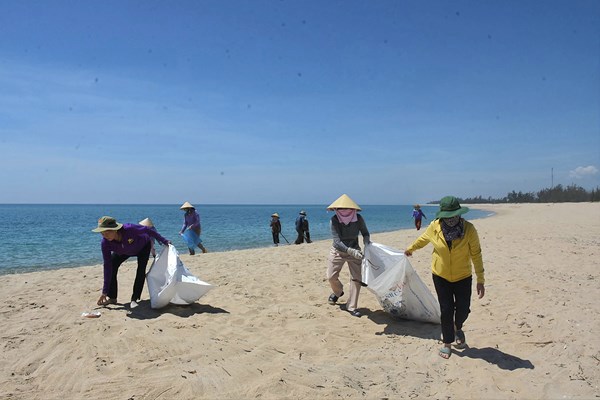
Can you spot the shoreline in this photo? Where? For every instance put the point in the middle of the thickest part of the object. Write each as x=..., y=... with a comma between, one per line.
x=266, y=331
x=34, y=269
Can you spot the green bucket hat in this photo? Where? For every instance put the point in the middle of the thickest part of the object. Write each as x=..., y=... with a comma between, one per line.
x=107, y=224
x=449, y=207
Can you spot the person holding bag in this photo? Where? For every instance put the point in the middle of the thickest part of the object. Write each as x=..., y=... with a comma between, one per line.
x=191, y=229
x=455, y=247
x=119, y=242
x=345, y=225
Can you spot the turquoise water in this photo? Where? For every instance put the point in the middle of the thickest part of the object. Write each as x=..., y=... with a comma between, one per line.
x=51, y=236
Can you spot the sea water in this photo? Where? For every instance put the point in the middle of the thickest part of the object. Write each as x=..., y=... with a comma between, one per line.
x=50, y=236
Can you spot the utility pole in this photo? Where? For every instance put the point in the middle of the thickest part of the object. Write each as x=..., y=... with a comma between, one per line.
x=552, y=184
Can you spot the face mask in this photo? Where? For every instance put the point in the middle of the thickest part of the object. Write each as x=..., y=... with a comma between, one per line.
x=452, y=221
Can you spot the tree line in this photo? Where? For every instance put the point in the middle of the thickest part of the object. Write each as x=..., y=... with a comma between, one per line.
x=557, y=194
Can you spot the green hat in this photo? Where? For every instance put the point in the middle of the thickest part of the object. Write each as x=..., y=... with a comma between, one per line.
x=449, y=207
x=107, y=224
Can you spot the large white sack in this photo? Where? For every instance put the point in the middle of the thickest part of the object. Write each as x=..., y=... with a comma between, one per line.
x=398, y=288
x=169, y=281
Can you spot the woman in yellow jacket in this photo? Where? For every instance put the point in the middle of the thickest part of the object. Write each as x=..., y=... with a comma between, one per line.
x=456, y=250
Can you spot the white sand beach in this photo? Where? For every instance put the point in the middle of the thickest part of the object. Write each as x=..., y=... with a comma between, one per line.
x=267, y=331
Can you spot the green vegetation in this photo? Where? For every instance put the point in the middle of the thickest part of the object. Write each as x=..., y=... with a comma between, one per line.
x=557, y=194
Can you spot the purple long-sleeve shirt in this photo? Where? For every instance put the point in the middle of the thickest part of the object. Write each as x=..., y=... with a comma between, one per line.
x=133, y=239
x=192, y=221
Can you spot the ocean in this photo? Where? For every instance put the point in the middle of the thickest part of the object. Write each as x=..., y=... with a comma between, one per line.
x=36, y=237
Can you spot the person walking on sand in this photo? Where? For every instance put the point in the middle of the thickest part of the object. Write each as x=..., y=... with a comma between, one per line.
x=275, y=228
x=345, y=226
x=191, y=229
x=119, y=242
x=302, y=228
x=455, y=246
x=418, y=214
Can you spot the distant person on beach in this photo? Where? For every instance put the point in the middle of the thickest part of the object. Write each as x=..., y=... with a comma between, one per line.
x=302, y=228
x=418, y=214
x=191, y=229
x=148, y=222
x=275, y=228
x=345, y=225
x=119, y=242
x=455, y=246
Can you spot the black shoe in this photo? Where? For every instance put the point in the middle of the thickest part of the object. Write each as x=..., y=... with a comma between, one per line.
x=333, y=298
x=355, y=313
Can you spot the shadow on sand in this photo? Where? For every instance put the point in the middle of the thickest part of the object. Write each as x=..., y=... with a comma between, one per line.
x=144, y=311
x=495, y=356
x=402, y=327
x=426, y=330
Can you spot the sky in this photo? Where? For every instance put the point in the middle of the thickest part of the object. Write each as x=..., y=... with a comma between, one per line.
x=296, y=102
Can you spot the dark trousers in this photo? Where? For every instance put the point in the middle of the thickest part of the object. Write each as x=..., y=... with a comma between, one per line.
x=455, y=300
x=276, y=237
x=140, y=275
x=418, y=223
x=301, y=236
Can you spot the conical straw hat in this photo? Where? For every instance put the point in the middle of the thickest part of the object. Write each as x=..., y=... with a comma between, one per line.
x=146, y=222
x=344, y=201
x=186, y=205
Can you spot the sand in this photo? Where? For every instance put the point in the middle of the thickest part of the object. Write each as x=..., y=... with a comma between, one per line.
x=267, y=331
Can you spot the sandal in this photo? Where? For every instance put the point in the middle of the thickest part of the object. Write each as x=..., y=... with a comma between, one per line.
x=445, y=352
x=107, y=301
x=461, y=341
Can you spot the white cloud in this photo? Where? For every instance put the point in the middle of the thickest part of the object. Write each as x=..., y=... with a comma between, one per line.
x=582, y=172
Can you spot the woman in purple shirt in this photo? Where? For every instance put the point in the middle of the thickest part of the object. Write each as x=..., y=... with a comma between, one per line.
x=191, y=228
x=119, y=242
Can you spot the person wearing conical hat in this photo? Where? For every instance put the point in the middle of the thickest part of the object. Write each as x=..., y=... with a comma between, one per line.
x=148, y=222
x=191, y=229
x=275, y=228
x=456, y=252
x=345, y=226
x=119, y=242
x=418, y=214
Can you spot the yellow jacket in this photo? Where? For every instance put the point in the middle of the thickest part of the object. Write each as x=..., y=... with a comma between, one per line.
x=452, y=265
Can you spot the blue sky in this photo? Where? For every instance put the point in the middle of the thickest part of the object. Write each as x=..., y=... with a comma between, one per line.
x=296, y=102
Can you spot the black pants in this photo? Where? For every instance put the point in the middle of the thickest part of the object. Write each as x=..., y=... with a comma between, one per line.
x=276, y=237
x=140, y=275
x=301, y=236
x=455, y=300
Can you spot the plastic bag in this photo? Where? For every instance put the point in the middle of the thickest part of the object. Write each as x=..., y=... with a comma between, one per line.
x=191, y=238
x=169, y=281
x=395, y=283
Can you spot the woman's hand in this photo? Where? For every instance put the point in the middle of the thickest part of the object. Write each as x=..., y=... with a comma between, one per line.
x=407, y=253
x=480, y=290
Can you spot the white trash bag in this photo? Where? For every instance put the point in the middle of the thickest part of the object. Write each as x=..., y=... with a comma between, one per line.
x=398, y=288
x=169, y=281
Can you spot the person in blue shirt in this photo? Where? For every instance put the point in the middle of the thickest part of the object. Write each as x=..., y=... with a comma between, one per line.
x=302, y=228
x=418, y=215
